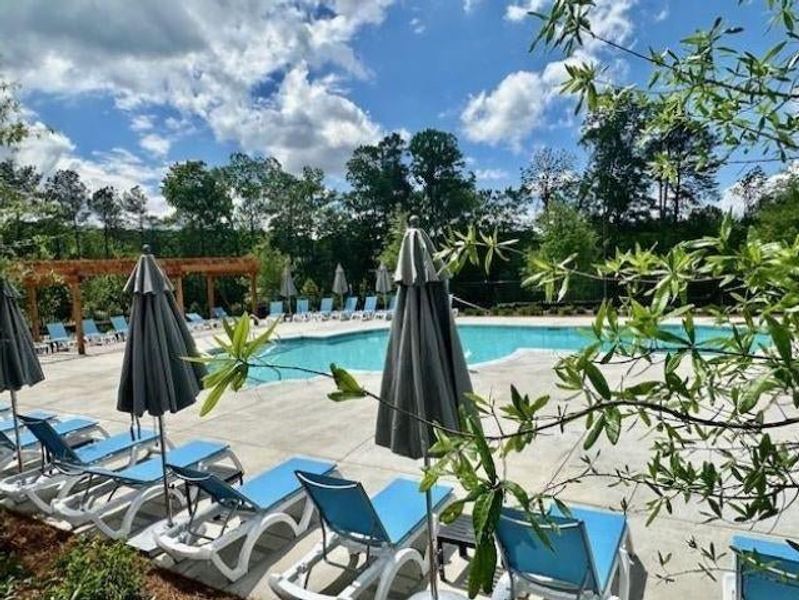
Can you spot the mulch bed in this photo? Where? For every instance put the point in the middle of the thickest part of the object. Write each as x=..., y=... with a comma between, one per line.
x=36, y=546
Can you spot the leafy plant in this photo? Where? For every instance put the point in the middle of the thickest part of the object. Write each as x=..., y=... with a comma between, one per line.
x=94, y=569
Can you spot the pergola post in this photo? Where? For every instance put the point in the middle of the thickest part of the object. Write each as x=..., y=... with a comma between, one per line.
x=179, y=293
x=254, y=293
x=33, y=312
x=210, y=291
x=77, y=314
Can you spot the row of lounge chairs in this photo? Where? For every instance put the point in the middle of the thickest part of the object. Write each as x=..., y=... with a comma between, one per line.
x=90, y=477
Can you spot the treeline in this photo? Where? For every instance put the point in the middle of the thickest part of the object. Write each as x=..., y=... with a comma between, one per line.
x=634, y=188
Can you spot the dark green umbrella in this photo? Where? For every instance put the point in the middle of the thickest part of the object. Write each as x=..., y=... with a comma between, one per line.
x=425, y=372
x=340, y=285
x=383, y=283
x=19, y=365
x=287, y=287
x=156, y=378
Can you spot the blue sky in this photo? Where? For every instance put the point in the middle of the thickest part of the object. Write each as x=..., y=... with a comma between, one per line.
x=130, y=87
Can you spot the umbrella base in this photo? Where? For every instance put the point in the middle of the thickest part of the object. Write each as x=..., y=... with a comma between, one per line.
x=442, y=595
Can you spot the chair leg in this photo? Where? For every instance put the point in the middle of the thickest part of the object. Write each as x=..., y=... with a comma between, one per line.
x=728, y=587
x=504, y=588
x=392, y=568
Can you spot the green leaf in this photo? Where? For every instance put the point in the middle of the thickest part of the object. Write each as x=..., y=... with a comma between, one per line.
x=594, y=433
x=346, y=383
x=781, y=337
x=597, y=380
x=613, y=425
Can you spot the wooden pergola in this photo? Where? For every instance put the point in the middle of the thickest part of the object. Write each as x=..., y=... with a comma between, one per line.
x=42, y=273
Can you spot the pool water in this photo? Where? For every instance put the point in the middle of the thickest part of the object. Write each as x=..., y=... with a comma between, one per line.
x=366, y=350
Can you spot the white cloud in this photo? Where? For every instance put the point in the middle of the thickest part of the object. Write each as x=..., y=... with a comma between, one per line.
x=470, y=5
x=417, y=26
x=141, y=122
x=155, y=144
x=519, y=11
x=663, y=14
x=510, y=112
x=204, y=59
x=491, y=174
x=51, y=151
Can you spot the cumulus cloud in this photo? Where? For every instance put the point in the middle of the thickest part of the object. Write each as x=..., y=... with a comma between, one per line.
x=155, y=144
x=417, y=26
x=518, y=11
x=511, y=111
x=51, y=151
x=204, y=59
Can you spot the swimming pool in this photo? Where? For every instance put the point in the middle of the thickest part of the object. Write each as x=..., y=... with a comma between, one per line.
x=366, y=350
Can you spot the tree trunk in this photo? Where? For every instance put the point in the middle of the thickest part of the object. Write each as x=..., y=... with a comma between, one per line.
x=677, y=199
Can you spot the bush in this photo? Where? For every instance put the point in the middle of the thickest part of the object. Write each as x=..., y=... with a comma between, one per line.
x=12, y=575
x=94, y=569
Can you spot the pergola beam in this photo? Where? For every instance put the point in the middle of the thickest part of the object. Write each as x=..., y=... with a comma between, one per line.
x=40, y=273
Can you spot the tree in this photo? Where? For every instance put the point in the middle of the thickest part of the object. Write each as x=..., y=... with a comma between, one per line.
x=391, y=248
x=69, y=194
x=684, y=167
x=550, y=176
x=12, y=127
x=446, y=190
x=202, y=203
x=379, y=177
x=751, y=189
x=564, y=235
x=615, y=181
x=776, y=217
x=106, y=206
x=19, y=197
x=134, y=205
x=251, y=179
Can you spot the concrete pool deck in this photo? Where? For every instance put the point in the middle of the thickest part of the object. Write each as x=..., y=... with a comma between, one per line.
x=268, y=424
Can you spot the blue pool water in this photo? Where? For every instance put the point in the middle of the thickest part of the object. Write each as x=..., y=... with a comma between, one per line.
x=366, y=350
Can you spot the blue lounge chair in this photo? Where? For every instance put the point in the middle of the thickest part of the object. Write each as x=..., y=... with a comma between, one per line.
x=246, y=511
x=587, y=548
x=325, y=309
x=8, y=424
x=276, y=310
x=384, y=527
x=197, y=322
x=62, y=462
x=4, y=406
x=303, y=311
x=59, y=336
x=350, y=306
x=93, y=495
x=765, y=569
x=368, y=310
x=388, y=312
x=120, y=325
x=92, y=334
x=75, y=431
x=219, y=313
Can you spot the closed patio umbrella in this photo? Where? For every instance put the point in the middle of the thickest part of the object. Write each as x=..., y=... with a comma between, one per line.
x=19, y=365
x=383, y=284
x=340, y=285
x=425, y=371
x=155, y=377
x=287, y=287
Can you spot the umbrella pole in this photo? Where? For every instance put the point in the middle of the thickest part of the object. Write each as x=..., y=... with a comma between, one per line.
x=431, y=544
x=16, y=429
x=162, y=442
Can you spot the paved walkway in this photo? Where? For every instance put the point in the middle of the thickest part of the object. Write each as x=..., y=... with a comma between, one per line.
x=267, y=424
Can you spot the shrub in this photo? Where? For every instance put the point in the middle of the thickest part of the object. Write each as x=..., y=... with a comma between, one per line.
x=12, y=575
x=94, y=569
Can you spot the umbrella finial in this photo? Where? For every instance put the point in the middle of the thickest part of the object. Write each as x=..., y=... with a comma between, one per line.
x=413, y=221
x=146, y=249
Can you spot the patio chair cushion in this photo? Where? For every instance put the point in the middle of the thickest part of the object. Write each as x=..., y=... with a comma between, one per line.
x=27, y=439
x=402, y=507
x=275, y=485
x=760, y=584
x=151, y=470
x=605, y=531
x=120, y=324
x=115, y=444
x=8, y=424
